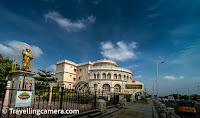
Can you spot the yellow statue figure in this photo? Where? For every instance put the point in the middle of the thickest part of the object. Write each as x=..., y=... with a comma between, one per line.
x=26, y=59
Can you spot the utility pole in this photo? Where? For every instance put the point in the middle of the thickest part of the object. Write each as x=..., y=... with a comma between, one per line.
x=157, y=81
x=153, y=89
x=158, y=62
x=188, y=94
x=178, y=94
x=145, y=94
x=145, y=90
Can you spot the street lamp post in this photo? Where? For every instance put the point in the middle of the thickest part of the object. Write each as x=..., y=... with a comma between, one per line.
x=177, y=93
x=188, y=94
x=157, y=81
x=157, y=77
x=153, y=89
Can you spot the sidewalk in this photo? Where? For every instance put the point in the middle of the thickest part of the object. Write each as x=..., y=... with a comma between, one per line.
x=137, y=110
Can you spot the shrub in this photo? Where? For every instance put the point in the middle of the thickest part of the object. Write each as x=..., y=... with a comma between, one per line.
x=128, y=97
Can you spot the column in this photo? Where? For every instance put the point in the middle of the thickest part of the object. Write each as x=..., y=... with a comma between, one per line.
x=6, y=98
x=50, y=95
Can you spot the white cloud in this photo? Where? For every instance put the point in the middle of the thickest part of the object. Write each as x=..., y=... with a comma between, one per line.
x=106, y=46
x=6, y=50
x=181, y=77
x=52, y=68
x=139, y=76
x=169, y=77
x=9, y=48
x=67, y=24
x=37, y=51
x=120, y=52
x=172, y=77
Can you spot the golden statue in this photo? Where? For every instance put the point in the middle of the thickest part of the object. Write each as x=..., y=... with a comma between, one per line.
x=26, y=59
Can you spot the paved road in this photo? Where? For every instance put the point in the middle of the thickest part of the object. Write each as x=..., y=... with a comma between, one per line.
x=137, y=110
x=184, y=115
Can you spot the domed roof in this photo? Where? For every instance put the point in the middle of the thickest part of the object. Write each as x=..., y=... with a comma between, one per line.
x=105, y=61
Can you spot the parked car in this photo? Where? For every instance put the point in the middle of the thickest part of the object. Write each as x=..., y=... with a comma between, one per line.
x=171, y=98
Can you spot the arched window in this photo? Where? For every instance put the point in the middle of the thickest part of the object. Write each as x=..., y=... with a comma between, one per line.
x=95, y=76
x=106, y=88
x=117, y=88
x=109, y=76
x=119, y=77
x=98, y=76
x=127, y=78
x=95, y=87
x=124, y=77
x=104, y=76
x=115, y=76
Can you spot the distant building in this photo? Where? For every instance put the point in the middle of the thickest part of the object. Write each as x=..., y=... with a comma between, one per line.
x=100, y=75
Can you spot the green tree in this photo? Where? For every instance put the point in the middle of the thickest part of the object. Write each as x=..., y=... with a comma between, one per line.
x=5, y=75
x=128, y=97
x=6, y=67
x=184, y=97
x=43, y=80
x=45, y=76
x=195, y=96
x=176, y=96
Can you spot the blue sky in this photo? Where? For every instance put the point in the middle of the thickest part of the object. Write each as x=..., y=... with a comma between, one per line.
x=133, y=33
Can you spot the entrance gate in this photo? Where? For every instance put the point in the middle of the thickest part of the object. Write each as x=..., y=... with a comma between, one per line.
x=82, y=87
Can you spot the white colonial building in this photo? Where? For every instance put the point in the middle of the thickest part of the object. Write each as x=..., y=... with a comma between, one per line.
x=100, y=75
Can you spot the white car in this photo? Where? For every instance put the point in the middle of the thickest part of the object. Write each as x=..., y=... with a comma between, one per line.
x=171, y=98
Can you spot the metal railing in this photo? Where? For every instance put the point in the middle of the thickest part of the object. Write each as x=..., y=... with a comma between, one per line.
x=164, y=114
x=53, y=98
x=172, y=115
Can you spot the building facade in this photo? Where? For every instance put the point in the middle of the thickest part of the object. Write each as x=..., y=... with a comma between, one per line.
x=101, y=75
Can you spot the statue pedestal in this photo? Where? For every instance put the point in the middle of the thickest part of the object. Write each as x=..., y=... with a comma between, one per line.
x=23, y=80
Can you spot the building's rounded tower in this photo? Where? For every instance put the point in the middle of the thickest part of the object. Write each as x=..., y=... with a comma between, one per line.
x=107, y=76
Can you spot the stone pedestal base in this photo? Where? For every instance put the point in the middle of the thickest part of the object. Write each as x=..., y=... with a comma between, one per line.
x=23, y=80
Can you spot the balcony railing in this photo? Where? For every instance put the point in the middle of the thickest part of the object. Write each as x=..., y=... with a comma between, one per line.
x=110, y=79
x=110, y=68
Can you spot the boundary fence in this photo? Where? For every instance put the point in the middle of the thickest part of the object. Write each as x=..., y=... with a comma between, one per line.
x=52, y=98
